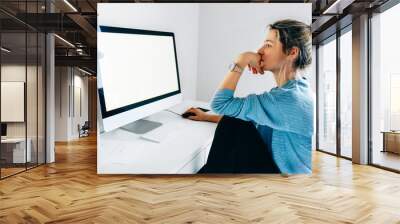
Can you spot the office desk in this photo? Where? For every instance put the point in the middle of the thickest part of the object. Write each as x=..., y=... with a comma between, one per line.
x=16, y=147
x=183, y=151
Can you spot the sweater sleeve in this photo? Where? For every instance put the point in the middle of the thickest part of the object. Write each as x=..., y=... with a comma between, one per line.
x=263, y=109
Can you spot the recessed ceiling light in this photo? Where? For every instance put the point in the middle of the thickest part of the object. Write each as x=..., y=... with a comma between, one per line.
x=64, y=40
x=333, y=7
x=70, y=5
x=84, y=71
x=5, y=50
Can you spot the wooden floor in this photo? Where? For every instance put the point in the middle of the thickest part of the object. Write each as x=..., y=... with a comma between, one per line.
x=10, y=171
x=5, y=172
x=387, y=159
x=70, y=191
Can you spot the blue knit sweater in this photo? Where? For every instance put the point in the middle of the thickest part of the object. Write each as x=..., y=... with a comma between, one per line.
x=286, y=111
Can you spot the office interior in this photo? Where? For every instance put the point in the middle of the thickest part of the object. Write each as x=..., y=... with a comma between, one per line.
x=48, y=77
x=359, y=45
x=47, y=82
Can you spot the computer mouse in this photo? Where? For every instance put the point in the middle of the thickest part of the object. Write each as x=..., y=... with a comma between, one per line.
x=188, y=114
x=202, y=109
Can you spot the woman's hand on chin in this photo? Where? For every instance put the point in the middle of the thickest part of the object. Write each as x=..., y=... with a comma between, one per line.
x=252, y=60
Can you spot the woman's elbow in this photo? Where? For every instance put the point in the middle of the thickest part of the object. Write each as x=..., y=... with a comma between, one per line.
x=217, y=106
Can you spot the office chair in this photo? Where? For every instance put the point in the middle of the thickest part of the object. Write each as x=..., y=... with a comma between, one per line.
x=84, y=130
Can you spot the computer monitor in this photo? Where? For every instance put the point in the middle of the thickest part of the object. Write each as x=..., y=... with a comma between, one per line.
x=3, y=130
x=137, y=74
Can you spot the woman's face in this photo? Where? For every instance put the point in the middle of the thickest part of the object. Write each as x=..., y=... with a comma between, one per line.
x=272, y=56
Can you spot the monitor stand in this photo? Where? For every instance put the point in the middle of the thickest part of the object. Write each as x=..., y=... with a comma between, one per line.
x=141, y=126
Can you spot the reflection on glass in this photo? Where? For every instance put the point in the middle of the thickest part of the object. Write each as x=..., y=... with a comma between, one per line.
x=22, y=90
x=13, y=85
x=394, y=101
x=327, y=97
x=346, y=94
x=385, y=86
x=41, y=99
x=31, y=101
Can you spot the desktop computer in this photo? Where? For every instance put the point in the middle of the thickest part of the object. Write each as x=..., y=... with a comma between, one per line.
x=137, y=77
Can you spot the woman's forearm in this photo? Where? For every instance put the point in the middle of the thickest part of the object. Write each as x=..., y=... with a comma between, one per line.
x=232, y=78
x=230, y=81
x=213, y=118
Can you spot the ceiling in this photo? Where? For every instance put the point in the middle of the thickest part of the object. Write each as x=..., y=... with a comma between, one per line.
x=77, y=23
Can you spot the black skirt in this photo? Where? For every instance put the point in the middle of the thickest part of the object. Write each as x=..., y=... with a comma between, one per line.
x=238, y=148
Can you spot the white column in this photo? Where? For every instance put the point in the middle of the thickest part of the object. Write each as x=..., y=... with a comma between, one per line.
x=360, y=90
x=50, y=108
x=50, y=92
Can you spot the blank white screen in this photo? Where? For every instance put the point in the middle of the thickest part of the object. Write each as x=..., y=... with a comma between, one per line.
x=135, y=67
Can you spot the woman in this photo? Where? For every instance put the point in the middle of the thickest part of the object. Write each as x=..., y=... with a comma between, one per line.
x=271, y=132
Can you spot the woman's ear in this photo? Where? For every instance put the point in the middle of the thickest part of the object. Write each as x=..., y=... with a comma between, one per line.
x=294, y=53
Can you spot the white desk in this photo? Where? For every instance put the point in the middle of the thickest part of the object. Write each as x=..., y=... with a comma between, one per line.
x=184, y=150
x=19, y=149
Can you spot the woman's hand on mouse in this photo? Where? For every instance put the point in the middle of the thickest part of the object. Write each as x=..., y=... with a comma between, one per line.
x=199, y=114
x=252, y=60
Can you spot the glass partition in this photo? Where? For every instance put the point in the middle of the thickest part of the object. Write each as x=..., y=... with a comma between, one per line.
x=385, y=89
x=346, y=93
x=41, y=107
x=13, y=94
x=327, y=96
x=31, y=100
x=22, y=66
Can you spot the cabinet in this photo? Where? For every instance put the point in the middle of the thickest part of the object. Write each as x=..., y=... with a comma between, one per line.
x=391, y=141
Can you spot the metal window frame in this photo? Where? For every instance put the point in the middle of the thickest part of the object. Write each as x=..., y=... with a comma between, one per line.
x=339, y=32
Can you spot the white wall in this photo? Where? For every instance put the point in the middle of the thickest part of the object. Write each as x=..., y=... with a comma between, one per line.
x=33, y=126
x=61, y=103
x=182, y=19
x=79, y=117
x=67, y=116
x=17, y=72
x=226, y=30
x=208, y=37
